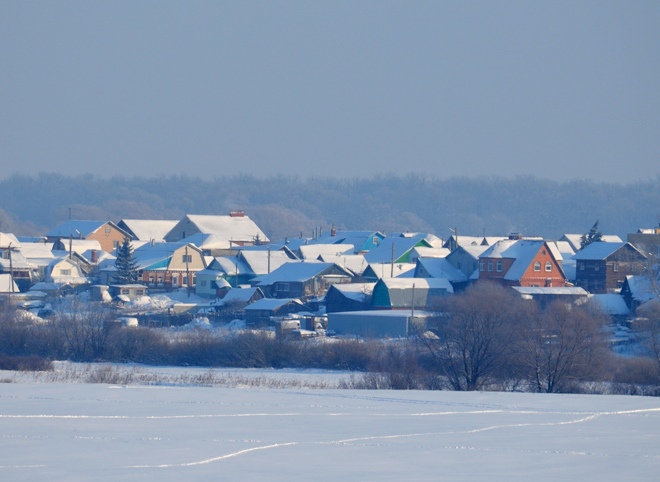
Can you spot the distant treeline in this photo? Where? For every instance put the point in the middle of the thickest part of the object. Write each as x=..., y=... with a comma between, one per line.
x=289, y=206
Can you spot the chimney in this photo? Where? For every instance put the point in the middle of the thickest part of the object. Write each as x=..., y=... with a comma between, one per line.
x=333, y=231
x=236, y=214
x=95, y=256
x=515, y=236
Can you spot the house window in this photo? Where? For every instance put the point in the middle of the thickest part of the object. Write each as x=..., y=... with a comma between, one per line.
x=115, y=244
x=187, y=258
x=151, y=279
x=175, y=280
x=482, y=266
x=615, y=266
x=125, y=291
x=184, y=280
x=107, y=230
x=204, y=283
x=537, y=266
x=548, y=266
x=490, y=266
x=160, y=279
x=581, y=266
x=65, y=272
x=499, y=265
x=282, y=286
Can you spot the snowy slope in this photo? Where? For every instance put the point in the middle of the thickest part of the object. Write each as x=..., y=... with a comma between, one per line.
x=58, y=431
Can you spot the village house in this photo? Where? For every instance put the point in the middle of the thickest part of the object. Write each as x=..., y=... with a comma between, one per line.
x=602, y=267
x=647, y=240
x=349, y=297
x=261, y=311
x=304, y=280
x=398, y=247
x=107, y=233
x=522, y=262
x=410, y=293
x=169, y=266
x=360, y=241
x=234, y=230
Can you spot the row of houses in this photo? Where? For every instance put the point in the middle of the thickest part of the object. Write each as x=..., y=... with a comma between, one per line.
x=213, y=256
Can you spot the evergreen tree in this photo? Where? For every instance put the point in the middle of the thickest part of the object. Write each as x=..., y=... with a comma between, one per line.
x=591, y=237
x=127, y=271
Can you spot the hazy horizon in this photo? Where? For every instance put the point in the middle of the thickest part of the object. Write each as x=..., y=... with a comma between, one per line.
x=555, y=90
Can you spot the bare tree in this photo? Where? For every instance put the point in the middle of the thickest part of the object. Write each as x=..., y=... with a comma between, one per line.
x=475, y=332
x=560, y=346
x=82, y=329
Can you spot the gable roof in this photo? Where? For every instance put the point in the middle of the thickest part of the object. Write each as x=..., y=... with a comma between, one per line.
x=602, y=250
x=77, y=228
x=313, y=251
x=147, y=229
x=297, y=272
x=258, y=261
x=355, y=262
x=240, y=295
x=575, y=240
x=440, y=268
x=523, y=251
x=270, y=304
x=353, y=291
x=8, y=238
x=398, y=245
x=234, y=228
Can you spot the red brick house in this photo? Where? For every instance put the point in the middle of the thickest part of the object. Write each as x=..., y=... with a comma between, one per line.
x=522, y=262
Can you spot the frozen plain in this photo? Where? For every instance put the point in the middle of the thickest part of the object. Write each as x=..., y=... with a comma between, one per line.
x=79, y=432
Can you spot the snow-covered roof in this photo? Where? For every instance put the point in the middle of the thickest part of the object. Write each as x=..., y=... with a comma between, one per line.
x=296, y=272
x=7, y=284
x=81, y=245
x=610, y=304
x=399, y=244
x=271, y=303
x=441, y=268
x=259, y=261
x=239, y=295
x=151, y=253
x=424, y=252
x=313, y=251
x=37, y=250
x=7, y=239
x=235, y=228
x=601, y=250
x=354, y=291
x=148, y=229
x=208, y=241
x=640, y=288
x=522, y=251
x=384, y=270
x=355, y=262
x=575, y=240
x=76, y=228
x=419, y=283
x=558, y=290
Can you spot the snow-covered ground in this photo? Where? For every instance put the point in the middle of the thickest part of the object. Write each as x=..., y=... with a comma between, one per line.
x=79, y=431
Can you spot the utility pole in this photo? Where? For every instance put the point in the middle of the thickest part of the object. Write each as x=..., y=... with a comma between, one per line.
x=268, y=259
x=11, y=270
x=392, y=264
x=187, y=273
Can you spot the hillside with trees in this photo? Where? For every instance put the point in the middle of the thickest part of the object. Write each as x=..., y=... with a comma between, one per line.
x=288, y=206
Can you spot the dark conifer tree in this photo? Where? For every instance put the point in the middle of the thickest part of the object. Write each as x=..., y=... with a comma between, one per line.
x=127, y=270
x=591, y=237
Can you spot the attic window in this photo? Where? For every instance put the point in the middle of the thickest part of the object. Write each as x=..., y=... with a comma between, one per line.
x=548, y=266
x=537, y=266
x=107, y=230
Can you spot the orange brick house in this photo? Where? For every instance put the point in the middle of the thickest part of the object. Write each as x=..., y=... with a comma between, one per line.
x=522, y=262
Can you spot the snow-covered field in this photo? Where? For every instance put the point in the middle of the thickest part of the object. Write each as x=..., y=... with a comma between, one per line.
x=78, y=431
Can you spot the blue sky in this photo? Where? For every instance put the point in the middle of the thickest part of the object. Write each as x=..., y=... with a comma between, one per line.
x=558, y=90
